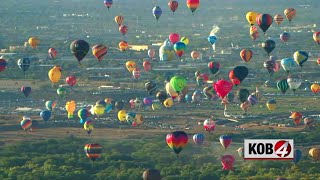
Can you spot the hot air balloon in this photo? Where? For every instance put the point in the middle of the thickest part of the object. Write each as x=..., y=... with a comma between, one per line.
x=88, y=126
x=297, y=156
x=123, y=29
x=308, y=121
x=122, y=115
x=168, y=103
x=119, y=20
x=55, y=74
x=243, y=95
x=285, y=36
x=108, y=3
x=166, y=51
x=296, y=117
x=252, y=99
x=193, y=5
x=185, y=40
x=156, y=11
x=316, y=37
x=283, y=85
x=174, y=37
x=315, y=153
x=241, y=152
x=270, y=65
x=119, y=105
x=151, y=53
x=50, y=105
x=245, y=106
x=198, y=138
x=222, y=87
x=195, y=55
x=290, y=13
x=214, y=67
x=62, y=92
x=227, y=162
x=130, y=65
x=268, y=46
x=151, y=174
x=70, y=108
x=246, y=55
x=209, y=92
x=209, y=125
x=294, y=83
x=178, y=83
x=33, y=42
x=212, y=39
x=288, y=64
x=130, y=117
x=93, y=151
x=25, y=90
x=45, y=115
x=99, y=110
x=162, y=96
x=83, y=114
x=177, y=140
x=24, y=64
x=26, y=123
x=238, y=74
x=151, y=87
x=79, y=49
x=173, y=5
x=3, y=64
x=123, y=45
x=136, y=73
x=254, y=33
x=318, y=61
x=271, y=104
x=147, y=101
x=225, y=141
x=315, y=88
x=71, y=80
x=264, y=21
x=179, y=48
x=251, y=17
x=147, y=65
x=300, y=57
x=99, y=51
x=278, y=19
x=52, y=53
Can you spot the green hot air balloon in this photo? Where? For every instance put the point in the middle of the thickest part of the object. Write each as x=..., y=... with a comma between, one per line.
x=243, y=95
x=178, y=83
x=62, y=92
x=283, y=85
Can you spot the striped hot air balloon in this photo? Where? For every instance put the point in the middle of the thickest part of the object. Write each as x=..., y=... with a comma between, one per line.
x=316, y=37
x=93, y=151
x=225, y=141
x=254, y=33
x=99, y=51
x=285, y=36
x=88, y=126
x=177, y=140
x=296, y=117
x=136, y=73
x=278, y=19
x=123, y=45
x=246, y=55
x=119, y=20
x=290, y=13
x=198, y=138
x=26, y=124
x=264, y=21
x=283, y=85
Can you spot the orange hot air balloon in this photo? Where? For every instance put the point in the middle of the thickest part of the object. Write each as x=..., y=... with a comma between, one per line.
x=123, y=45
x=315, y=88
x=55, y=74
x=193, y=5
x=290, y=13
x=123, y=29
x=296, y=117
x=195, y=55
x=130, y=65
x=119, y=20
x=315, y=153
x=246, y=55
x=99, y=51
x=278, y=19
x=147, y=65
x=33, y=41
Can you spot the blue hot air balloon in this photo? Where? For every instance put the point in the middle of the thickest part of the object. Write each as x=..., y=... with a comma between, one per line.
x=45, y=115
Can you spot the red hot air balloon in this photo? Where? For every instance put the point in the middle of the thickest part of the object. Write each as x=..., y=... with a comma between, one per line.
x=26, y=90
x=173, y=5
x=147, y=65
x=246, y=55
x=71, y=80
x=123, y=29
x=227, y=162
x=177, y=140
x=3, y=64
x=264, y=21
x=222, y=87
x=296, y=117
x=214, y=67
x=193, y=5
x=136, y=73
x=209, y=125
x=52, y=53
x=174, y=37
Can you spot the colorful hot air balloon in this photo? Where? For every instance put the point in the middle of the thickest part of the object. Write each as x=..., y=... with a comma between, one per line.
x=270, y=65
x=162, y=96
x=283, y=85
x=290, y=13
x=88, y=126
x=93, y=151
x=123, y=45
x=300, y=57
x=151, y=174
x=70, y=108
x=71, y=80
x=45, y=115
x=296, y=117
x=225, y=141
x=83, y=114
x=264, y=21
x=108, y=3
x=52, y=53
x=271, y=104
x=79, y=49
x=195, y=55
x=123, y=29
x=26, y=124
x=316, y=37
x=174, y=37
x=3, y=64
x=24, y=64
x=278, y=19
x=55, y=74
x=212, y=39
x=294, y=83
x=193, y=5
x=25, y=90
x=315, y=153
x=177, y=140
x=119, y=20
x=246, y=55
x=130, y=65
x=241, y=152
x=136, y=73
x=251, y=17
x=209, y=125
x=151, y=87
x=315, y=88
x=50, y=105
x=33, y=42
x=198, y=138
x=146, y=65
x=238, y=74
x=179, y=48
x=288, y=64
x=178, y=83
x=285, y=36
x=254, y=33
x=227, y=162
x=185, y=40
x=222, y=87
x=297, y=156
x=99, y=110
x=99, y=51
x=173, y=5
x=214, y=67
x=268, y=46
x=157, y=11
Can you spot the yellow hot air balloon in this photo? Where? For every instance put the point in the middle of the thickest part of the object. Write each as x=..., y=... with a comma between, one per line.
x=271, y=105
x=139, y=119
x=55, y=74
x=98, y=110
x=251, y=17
x=315, y=153
x=315, y=88
x=171, y=91
x=130, y=65
x=122, y=115
x=33, y=41
x=88, y=126
x=123, y=45
x=185, y=40
x=70, y=107
x=119, y=20
x=168, y=102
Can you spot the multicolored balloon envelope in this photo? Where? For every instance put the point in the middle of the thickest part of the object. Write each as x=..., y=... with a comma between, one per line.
x=290, y=13
x=108, y=3
x=264, y=21
x=225, y=141
x=88, y=126
x=24, y=64
x=227, y=162
x=246, y=55
x=179, y=48
x=26, y=124
x=157, y=11
x=315, y=88
x=177, y=140
x=209, y=125
x=283, y=85
x=296, y=117
x=3, y=64
x=278, y=19
x=271, y=104
x=93, y=151
x=198, y=139
x=52, y=53
x=300, y=57
x=214, y=67
x=193, y=5
x=99, y=51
